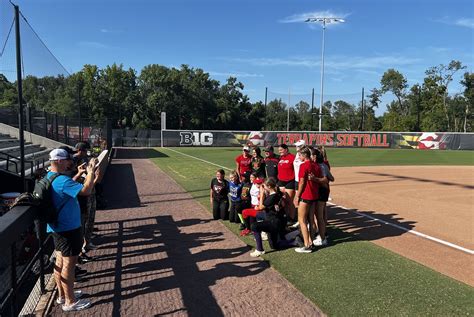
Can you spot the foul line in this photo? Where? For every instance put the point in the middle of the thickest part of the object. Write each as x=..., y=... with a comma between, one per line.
x=414, y=232
x=199, y=159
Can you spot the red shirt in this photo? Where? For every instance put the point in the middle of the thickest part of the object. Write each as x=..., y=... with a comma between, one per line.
x=244, y=163
x=286, y=171
x=311, y=189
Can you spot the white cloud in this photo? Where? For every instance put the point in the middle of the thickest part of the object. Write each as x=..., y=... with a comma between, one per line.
x=469, y=23
x=234, y=74
x=334, y=62
x=301, y=17
x=91, y=44
x=104, y=30
x=462, y=22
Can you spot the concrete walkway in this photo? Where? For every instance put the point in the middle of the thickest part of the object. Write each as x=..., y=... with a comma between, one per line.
x=161, y=254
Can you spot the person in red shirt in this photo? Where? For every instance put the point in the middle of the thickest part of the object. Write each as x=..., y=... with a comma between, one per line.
x=286, y=179
x=243, y=161
x=306, y=197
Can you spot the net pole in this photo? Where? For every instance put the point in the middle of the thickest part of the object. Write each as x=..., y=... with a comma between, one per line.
x=20, y=96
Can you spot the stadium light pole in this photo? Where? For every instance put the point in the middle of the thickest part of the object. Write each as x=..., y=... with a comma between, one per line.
x=323, y=21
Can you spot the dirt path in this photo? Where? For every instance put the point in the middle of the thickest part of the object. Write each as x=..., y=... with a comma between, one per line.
x=437, y=201
x=161, y=254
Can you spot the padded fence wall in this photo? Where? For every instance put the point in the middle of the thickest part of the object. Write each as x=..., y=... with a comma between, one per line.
x=395, y=140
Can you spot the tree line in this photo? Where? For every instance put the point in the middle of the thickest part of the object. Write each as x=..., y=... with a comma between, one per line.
x=193, y=100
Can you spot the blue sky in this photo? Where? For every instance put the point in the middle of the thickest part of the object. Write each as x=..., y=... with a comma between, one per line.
x=263, y=43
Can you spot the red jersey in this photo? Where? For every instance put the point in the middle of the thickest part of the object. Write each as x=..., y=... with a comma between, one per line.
x=244, y=163
x=286, y=171
x=311, y=189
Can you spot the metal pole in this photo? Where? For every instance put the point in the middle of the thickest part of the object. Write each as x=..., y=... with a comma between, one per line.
x=13, y=279
x=45, y=130
x=288, y=112
x=40, y=235
x=362, y=111
x=266, y=96
x=312, y=109
x=56, y=127
x=66, y=134
x=20, y=96
x=322, y=80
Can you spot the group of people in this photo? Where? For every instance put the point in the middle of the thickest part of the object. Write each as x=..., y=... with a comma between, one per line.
x=74, y=175
x=280, y=198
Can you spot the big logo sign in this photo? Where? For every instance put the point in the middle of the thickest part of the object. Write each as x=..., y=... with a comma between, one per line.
x=196, y=138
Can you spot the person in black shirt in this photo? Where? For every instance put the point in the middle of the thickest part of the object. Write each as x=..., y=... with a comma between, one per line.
x=271, y=162
x=219, y=196
x=274, y=221
x=257, y=163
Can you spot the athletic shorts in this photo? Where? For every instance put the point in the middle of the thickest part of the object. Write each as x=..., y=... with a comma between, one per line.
x=308, y=201
x=323, y=194
x=287, y=184
x=69, y=243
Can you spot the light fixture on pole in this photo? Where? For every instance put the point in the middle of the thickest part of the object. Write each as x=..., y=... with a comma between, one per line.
x=323, y=21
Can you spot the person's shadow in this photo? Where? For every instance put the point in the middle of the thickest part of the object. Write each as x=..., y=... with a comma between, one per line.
x=157, y=257
x=351, y=224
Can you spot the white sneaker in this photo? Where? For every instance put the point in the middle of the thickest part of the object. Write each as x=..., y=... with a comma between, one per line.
x=320, y=242
x=256, y=253
x=78, y=305
x=303, y=250
x=295, y=225
x=264, y=236
x=77, y=295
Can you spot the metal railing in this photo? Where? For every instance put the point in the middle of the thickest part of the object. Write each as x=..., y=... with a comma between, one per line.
x=15, y=223
x=33, y=164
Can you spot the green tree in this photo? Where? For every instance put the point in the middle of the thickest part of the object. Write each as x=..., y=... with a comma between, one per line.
x=468, y=83
x=443, y=75
x=394, y=82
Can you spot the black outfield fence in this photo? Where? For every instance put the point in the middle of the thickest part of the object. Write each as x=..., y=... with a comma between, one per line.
x=336, y=139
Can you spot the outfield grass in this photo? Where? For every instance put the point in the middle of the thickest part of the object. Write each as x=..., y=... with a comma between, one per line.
x=350, y=277
x=352, y=157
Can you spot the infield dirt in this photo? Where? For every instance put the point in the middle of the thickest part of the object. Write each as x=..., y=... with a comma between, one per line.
x=435, y=200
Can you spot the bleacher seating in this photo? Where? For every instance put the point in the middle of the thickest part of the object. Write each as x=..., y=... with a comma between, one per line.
x=36, y=156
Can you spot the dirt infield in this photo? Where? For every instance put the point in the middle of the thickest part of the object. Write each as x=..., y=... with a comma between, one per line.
x=437, y=201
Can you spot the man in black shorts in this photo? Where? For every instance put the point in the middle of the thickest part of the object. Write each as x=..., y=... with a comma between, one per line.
x=66, y=231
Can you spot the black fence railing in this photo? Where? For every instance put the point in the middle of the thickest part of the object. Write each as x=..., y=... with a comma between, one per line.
x=64, y=129
x=24, y=249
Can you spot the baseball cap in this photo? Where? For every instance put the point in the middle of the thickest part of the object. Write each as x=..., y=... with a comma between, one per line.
x=246, y=148
x=268, y=148
x=81, y=146
x=300, y=143
x=68, y=149
x=59, y=154
x=258, y=181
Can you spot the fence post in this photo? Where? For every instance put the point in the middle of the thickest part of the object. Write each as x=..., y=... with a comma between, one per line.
x=66, y=133
x=45, y=116
x=56, y=126
x=13, y=279
x=108, y=126
x=40, y=235
x=28, y=118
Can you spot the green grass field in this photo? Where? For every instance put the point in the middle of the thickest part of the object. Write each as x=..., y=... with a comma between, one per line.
x=351, y=277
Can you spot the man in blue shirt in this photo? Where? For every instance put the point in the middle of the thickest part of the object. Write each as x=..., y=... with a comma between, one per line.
x=67, y=231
